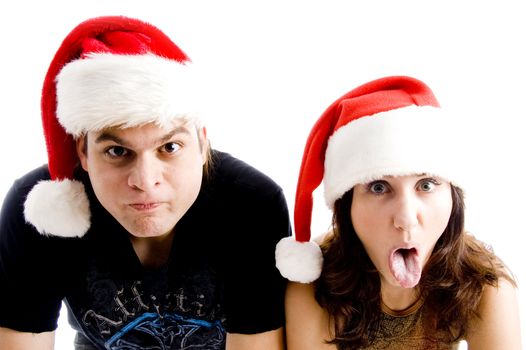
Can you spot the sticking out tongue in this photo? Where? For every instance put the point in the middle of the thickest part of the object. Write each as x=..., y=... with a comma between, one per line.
x=405, y=267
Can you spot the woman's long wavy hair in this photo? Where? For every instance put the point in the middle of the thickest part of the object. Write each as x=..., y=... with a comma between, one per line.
x=451, y=284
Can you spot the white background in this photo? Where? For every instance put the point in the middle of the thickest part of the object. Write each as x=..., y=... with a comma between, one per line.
x=276, y=65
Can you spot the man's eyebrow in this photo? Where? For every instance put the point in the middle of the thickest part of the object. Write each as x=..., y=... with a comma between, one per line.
x=177, y=130
x=109, y=136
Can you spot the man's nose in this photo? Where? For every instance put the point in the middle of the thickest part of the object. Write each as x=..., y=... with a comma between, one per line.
x=145, y=174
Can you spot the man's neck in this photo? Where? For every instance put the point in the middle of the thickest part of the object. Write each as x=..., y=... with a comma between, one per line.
x=153, y=252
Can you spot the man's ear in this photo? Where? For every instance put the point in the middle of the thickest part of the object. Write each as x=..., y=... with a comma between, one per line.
x=82, y=151
x=203, y=141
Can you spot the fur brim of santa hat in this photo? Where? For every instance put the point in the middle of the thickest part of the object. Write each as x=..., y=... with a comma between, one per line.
x=104, y=90
x=404, y=141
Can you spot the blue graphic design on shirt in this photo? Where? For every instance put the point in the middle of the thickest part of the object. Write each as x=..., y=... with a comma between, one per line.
x=168, y=332
x=131, y=316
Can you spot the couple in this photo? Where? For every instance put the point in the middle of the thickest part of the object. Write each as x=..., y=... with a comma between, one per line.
x=155, y=240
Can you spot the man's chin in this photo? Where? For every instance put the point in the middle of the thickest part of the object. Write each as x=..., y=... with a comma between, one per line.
x=147, y=228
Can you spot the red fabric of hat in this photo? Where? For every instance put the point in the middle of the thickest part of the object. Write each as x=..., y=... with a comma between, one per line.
x=375, y=130
x=104, y=61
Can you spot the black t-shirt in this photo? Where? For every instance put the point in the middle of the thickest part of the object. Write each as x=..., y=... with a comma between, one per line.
x=221, y=275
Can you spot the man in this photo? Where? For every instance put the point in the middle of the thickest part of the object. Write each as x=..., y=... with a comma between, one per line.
x=151, y=238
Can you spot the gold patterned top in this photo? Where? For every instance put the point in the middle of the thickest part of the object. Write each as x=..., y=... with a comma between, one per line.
x=402, y=330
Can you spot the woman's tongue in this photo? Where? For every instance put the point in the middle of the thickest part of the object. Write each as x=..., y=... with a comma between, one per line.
x=405, y=267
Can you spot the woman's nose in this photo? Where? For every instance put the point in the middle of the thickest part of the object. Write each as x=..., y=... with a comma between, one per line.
x=406, y=212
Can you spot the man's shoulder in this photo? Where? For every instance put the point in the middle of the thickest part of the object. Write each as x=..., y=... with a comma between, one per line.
x=26, y=182
x=21, y=187
x=236, y=175
x=11, y=216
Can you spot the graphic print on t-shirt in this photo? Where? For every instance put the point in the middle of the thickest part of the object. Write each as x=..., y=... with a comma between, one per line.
x=169, y=331
x=133, y=316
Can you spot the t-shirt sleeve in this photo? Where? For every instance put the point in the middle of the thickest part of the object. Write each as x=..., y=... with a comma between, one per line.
x=29, y=296
x=254, y=288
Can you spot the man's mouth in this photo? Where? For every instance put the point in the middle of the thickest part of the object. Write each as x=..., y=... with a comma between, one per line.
x=144, y=206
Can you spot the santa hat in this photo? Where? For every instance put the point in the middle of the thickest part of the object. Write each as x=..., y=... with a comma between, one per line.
x=390, y=126
x=109, y=71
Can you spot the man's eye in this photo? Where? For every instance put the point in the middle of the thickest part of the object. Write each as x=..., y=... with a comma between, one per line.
x=171, y=147
x=117, y=151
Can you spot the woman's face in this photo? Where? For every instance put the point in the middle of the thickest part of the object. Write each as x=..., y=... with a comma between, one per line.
x=399, y=220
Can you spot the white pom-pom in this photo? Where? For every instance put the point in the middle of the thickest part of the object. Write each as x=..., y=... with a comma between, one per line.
x=298, y=261
x=58, y=208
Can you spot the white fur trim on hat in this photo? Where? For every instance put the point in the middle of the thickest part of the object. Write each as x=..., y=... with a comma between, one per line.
x=299, y=261
x=106, y=90
x=58, y=208
x=403, y=141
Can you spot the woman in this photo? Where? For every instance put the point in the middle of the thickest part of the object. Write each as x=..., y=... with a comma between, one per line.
x=397, y=270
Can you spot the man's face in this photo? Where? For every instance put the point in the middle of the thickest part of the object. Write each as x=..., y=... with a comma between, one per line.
x=147, y=177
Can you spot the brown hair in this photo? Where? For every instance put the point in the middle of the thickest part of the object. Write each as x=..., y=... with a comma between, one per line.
x=452, y=281
x=209, y=161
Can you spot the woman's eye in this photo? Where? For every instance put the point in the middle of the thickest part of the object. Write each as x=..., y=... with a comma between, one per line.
x=171, y=147
x=117, y=151
x=377, y=187
x=428, y=185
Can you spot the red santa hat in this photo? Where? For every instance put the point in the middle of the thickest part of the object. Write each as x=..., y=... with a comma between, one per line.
x=109, y=71
x=390, y=126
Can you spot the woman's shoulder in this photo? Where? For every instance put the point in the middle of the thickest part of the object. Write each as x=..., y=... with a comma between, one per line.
x=497, y=324
x=501, y=298
x=307, y=323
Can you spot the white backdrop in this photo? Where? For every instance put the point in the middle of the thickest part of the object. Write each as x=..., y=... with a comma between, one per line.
x=276, y=65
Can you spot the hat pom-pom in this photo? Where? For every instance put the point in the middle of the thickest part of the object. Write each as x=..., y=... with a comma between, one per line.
x=298, y=261
x=58, y=208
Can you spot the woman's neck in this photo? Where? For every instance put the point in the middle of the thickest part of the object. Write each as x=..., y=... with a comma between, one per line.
x=398, y=298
